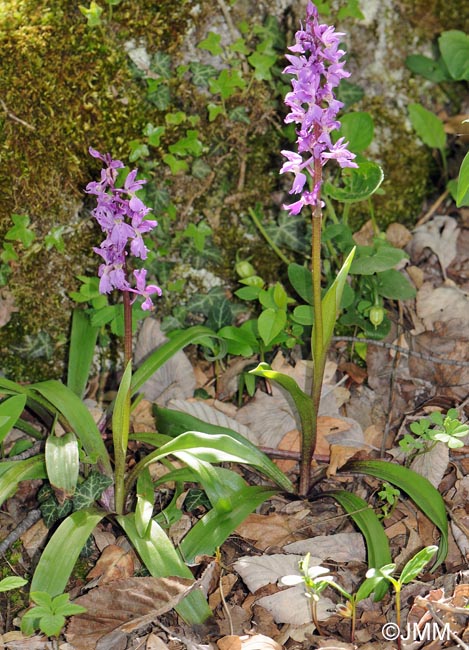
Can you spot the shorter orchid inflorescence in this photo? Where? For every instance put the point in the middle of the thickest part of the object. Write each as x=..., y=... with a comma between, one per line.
x=121, y=216
x=313, y=107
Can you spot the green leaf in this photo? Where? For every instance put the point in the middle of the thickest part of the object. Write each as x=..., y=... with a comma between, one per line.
x=270, y=323
x=63, y=464
x=174, y=423
x=395, y=286
x=20, y=231
x=215, y=527
x=90, y=490
x=428, y=126
x=358, y=183
x=358, y=130
x=162, y=354
x=262, y=64
x=227, y=83
x=303, y=314
x=376, y=261
x=427, y=68
x=462, y=198
x=15, y=471
x=10, y=411
x=51, y=624
x=59, y=556
x=66, y=402
x=12, y=582
x=419, y=489
x=138, y=150
x=161, y=64
x=454, y=48
x=214, y=110
x=211, y=44
x=176, y=166
x=202, y=73
x=236, y=341
x=121, y=413
x=332, y=299
x=377, y=543
x=416, y=564
x=301, y=280
x=80, y=357
x=145, y=502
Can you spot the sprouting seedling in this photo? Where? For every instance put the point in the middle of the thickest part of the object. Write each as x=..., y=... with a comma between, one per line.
x=389, y=496
x=48, y=614
x=317, y=578
x=410, y=571
x=436, y=428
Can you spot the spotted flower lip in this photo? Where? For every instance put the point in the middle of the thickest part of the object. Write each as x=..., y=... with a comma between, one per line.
x=122, y=218
x=316, y=65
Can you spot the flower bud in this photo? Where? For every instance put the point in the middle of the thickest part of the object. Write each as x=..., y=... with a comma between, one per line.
x=376, y=315
x=245, y=269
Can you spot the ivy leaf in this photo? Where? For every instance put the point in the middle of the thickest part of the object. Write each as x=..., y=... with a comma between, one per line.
x=153, y=134
x=20, y=231
x=161, y=64
x=90, y=490
x=239, y=114
x=227, y=82
x=202, y=73
x=288, y=232
x=158, y=94
x=176, y=166
x=262, y=64
x=138, y=150
x=214, y=110
x=220, y=315
x=211, y=44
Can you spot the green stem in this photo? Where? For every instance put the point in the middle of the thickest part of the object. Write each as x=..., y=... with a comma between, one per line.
x=373, y=217
x=264, y=233
x=330, y=209
x=121, y=423
x=397, y=588
x=127, y=328
x=345, y=213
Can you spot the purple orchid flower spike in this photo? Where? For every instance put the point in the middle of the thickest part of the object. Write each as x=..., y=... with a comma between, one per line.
x=121, y=214
x=317, y=69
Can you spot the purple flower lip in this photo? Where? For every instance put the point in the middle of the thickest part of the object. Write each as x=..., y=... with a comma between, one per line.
x=121, y=216
x=317, y=69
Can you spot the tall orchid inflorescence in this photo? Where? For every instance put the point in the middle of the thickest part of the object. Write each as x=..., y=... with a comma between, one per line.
x=121, y=215
x=313, y=107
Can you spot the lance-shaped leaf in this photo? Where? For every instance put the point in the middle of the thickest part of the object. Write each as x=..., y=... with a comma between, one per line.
x=64, y=401
x=217, y=448
x=303, y=402
x=121, y=413
x=145, y=502
x=216, y=526
x=83, y=337
x=377, y=544
x=62, y=463
x=10, y=411
x=14, y=471
x=332, y=299
x=419, y=489
x=173, y=423
x=61, y=553
x=416, y=564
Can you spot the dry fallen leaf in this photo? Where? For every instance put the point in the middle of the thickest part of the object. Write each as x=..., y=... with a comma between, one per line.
x=115, y=610
x=114, y=563
x=269, y=530
x=341, y=547
x=255, y=642
x=154, y=642
x=291, y=606
x=440, y=235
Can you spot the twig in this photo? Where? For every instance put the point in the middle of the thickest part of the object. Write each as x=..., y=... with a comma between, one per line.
x=22, y=527
x=28, y=453
x=427, y=605
x=433, y=208
x=13, y=117
x=233, y=31
x=404, y=351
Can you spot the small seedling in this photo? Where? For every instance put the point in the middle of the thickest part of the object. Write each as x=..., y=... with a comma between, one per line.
x=436, y=428
x=410, y=571
x=48, y=614
x=389, y=496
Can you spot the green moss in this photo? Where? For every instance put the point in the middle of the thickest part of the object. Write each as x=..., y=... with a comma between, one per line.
x=64, y=87
x=407, y=168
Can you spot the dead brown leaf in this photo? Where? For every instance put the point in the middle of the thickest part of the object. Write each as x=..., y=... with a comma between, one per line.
x=269, y=530
x=119, y=608
x=255, y=642
x=115, y=563
x=154, y=642
x=398, y=235
x=141, y=418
